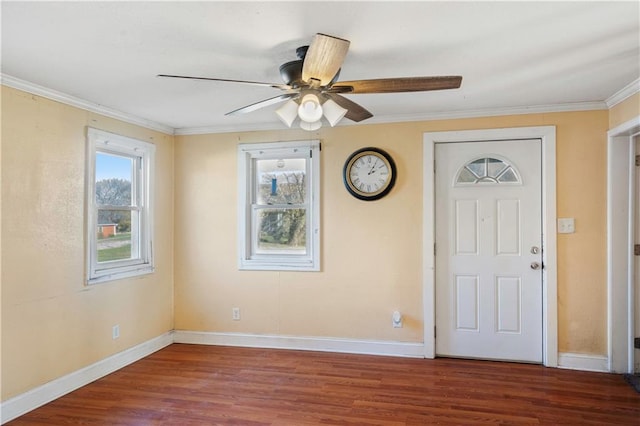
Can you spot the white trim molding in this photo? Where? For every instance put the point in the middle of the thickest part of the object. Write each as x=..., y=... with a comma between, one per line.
x=621, y=192
x=54, y=95
x=321, y=344
x=45, y=92
x=30, y=400
x=547, y=134
x=624, y=93
x=583, y=362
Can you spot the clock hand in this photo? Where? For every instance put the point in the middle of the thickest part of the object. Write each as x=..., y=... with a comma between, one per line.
x=373, y=167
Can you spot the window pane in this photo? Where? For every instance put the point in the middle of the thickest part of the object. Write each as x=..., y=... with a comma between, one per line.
x=118, y=235
x=508, y=176
x=466, y=176
x=281, y=181
x=281, y=231
x=478, y=167
x=113, y=179
x=495, y=167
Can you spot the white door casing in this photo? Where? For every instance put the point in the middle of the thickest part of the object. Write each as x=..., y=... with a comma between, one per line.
x=635, y=290
x=547, y=135
x=488, y=237
x=620, y=232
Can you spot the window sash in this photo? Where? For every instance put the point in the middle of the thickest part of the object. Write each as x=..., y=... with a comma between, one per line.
x=257, y=253
x=141, y=259
x=251, y=257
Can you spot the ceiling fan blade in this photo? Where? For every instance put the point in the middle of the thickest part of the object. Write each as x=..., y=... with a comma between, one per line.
x=403, y=84
x=263, y=104
x=355, y=112
x=253, y=83
x=324, y=58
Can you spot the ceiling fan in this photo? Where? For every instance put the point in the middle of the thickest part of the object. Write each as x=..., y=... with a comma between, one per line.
x=312, y=89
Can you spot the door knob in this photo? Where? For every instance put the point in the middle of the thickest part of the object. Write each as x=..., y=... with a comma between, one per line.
x=535, y=265
x=535, y=250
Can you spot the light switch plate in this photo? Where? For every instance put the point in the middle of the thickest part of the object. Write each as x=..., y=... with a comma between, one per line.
x=566, y=225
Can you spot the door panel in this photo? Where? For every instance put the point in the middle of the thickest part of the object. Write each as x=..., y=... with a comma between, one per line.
x=488, y=217
x=466, y=227
x=508, y=229
x=467, y=302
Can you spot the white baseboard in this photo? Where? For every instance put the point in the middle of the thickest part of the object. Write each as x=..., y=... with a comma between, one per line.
x=321, y=344
x=30, y=400
x=583, y=362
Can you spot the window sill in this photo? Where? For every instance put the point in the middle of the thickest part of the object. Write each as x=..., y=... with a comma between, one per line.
x=113, y=275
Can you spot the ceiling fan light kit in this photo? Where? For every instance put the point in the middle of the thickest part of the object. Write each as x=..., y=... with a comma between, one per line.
x=312, y=90
x=288, y=112
x=333, y=112
x=310, y=126
x=310, y=109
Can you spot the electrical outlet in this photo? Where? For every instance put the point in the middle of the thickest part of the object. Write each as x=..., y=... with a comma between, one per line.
x=396, y=319
x=235, y=314
x=115, y=332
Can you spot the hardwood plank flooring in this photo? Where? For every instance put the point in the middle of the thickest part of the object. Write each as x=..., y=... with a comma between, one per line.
x=214, y=385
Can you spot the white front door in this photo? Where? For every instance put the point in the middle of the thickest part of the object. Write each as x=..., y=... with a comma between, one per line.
x=489, y=250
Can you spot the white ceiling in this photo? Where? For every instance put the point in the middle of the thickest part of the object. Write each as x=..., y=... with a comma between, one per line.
x=512, y=55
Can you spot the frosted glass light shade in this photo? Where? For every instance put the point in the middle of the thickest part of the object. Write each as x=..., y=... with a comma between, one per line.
x=333, y=112
x=310, y=126
x=288, y=112
x=310, y=109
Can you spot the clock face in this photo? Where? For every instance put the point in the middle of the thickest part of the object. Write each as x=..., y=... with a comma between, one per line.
x=369, y=174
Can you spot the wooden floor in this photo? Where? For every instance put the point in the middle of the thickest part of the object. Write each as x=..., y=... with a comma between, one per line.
x=209, y=385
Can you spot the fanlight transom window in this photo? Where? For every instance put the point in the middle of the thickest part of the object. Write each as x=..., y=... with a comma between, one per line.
x=489, y=170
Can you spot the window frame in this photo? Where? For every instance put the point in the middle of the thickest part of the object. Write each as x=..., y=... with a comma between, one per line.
x=247, y=154
x=143, y=156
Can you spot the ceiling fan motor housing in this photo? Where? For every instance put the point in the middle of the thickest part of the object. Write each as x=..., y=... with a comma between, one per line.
x=291, y=72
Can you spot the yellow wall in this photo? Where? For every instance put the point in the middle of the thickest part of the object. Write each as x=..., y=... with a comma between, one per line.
x=624, y=111
x=371, y=252
x=52, y=323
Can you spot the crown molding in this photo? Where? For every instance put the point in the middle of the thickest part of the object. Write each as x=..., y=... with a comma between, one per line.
x=64, y=98
x=203, y=130
x=35, y=89
x=387, y=119
x=624, y=93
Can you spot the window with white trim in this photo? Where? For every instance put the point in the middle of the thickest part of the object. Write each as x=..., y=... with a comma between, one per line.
x=279, y=207
x=119, y=206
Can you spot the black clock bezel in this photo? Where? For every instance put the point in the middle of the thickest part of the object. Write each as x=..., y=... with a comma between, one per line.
x=353, y=158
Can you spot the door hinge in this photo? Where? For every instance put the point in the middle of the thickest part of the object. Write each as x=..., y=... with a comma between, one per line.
x=637, y=160
x=434, y=249
x=636, y=250
x=434, y=332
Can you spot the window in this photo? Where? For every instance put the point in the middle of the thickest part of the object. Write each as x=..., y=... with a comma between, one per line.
x=279, y=209
x=487, y=170
x=119, y=206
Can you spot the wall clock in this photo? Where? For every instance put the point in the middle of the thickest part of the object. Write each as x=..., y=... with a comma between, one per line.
x=369, y=173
